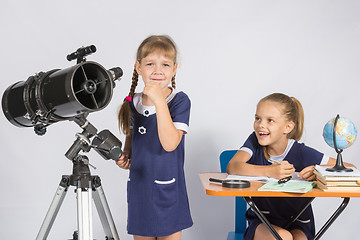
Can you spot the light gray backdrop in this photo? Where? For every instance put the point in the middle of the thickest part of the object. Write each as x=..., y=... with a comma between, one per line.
x=231, y=54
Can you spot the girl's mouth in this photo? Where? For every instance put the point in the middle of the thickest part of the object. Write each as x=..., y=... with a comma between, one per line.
x=263, y=134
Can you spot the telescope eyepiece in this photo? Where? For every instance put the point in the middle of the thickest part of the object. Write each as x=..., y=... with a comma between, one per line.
x=115, y=72
x=81, y=53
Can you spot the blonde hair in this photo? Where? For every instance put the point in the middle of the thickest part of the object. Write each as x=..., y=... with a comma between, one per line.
x=155, y=43
x=293, y=111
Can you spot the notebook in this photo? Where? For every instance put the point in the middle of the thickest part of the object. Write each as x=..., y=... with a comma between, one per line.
x=261, y=178
x=291, y=186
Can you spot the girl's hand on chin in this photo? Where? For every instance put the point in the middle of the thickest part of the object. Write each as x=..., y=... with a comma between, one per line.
x=153, y=91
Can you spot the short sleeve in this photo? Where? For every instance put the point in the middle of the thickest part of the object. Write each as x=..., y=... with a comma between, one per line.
x=255, y=150
x=179, y=108
x=251, y=144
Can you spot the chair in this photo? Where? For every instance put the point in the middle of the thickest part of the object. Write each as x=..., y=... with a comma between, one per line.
x=240, y=204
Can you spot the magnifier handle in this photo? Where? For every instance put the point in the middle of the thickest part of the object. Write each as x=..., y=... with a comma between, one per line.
x=216, y=180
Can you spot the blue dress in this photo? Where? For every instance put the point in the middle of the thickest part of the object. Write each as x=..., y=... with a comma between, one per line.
x=157, y=197
x=279, y=210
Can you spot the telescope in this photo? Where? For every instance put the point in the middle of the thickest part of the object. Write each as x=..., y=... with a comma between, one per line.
x=71, y=94
x=57, y=95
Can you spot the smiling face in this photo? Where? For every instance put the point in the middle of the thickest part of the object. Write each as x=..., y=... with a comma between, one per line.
x=157, y=67
x=271, y=126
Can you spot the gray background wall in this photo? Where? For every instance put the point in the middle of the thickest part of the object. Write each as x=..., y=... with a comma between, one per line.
x=232, y=53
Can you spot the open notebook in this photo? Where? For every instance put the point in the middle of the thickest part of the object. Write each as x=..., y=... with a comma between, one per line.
x=295, y=185
x=291, y=186
x=262, y=178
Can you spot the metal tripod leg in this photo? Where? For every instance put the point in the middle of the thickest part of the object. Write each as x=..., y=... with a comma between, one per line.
x=84, y=213
x=104, y=210
x=53, y=209
x=86, y=186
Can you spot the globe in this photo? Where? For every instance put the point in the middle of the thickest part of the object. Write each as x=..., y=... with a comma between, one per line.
x=345, y=133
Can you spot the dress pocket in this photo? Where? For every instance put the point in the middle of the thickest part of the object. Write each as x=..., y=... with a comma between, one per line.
x=165, y=193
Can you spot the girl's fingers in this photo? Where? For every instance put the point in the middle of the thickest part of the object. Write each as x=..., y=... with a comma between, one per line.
x=124, y=163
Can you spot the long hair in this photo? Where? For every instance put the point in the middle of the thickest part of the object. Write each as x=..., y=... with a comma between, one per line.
x=293, y=111
x=155, y=43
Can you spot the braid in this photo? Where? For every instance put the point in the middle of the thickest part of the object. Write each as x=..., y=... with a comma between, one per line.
x=124, y=115
x=134, y=83
x=173, y=84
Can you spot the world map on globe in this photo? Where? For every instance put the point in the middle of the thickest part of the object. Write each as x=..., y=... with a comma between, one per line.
x=345, y=133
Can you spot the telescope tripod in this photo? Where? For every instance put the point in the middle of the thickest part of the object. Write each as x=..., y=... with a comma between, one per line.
x=87, y=188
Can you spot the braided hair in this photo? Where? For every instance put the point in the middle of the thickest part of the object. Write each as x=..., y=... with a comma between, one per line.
x=124, y=113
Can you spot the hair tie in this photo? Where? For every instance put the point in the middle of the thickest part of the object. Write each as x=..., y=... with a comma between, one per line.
x=128, y=98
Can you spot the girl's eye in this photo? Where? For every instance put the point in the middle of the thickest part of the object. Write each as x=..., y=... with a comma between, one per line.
x=149, y=64
x=257, y=119
x=271, y=120
x=166, y=65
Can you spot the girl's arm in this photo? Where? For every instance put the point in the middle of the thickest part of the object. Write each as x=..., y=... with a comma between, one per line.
x=125, y=158
x=169, y=135
x=238, y=166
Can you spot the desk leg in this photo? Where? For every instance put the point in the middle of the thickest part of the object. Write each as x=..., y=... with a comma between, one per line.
x=332, y=218
x=293, y=219
x=262, y=218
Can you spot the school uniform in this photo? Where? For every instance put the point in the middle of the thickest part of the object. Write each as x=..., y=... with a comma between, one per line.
x=157, y=197
x=279, y=210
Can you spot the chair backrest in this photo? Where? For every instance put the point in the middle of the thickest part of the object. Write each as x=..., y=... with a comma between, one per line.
x=225, y=158
x=240, y=204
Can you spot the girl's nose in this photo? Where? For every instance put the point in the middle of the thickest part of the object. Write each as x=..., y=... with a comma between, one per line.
x=261, y=124
x=157, y=69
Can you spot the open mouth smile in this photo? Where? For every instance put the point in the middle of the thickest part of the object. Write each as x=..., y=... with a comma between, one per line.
x=263, y=134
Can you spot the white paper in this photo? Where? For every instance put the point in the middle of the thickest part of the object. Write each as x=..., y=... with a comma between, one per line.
x=295, y=177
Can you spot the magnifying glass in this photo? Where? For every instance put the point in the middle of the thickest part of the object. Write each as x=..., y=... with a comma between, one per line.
x=231, y=183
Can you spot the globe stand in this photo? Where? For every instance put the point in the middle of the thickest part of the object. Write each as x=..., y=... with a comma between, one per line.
x=339, y=166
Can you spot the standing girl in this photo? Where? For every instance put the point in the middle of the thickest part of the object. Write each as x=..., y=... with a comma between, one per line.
x=154, y=122
x=278, y=125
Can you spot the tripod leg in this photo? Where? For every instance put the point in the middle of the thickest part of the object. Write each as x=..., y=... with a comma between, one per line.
x=104, y=210
x=53, y=209
x=84, y=201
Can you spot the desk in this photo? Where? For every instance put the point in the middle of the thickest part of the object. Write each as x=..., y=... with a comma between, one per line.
x=215, y=189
